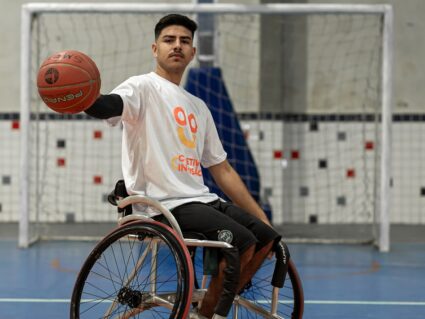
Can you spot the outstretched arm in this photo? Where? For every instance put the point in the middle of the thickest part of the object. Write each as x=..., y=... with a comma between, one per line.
x=232, y=185
x=106, y=106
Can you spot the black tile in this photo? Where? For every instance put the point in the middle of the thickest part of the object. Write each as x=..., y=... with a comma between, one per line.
x=60, y=143
x=341, y=136
x=6, y=180
x=260, y=135
x=105, y=198
x=268, y=191
x=304, y=191
x=69, y=217
x=314, y=126
x=341, y=201
x=323, y=163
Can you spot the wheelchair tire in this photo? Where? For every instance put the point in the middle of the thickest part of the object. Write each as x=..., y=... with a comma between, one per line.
x=140, y=270
x=290, y=298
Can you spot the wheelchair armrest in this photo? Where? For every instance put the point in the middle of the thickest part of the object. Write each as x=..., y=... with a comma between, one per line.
x=140, y=199
x=206, y=243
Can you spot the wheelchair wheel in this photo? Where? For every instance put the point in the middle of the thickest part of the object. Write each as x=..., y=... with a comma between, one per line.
x=257, y=298
x=140, y=270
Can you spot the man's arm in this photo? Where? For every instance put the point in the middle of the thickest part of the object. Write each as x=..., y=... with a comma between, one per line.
x=232, y=185
x=106, y=106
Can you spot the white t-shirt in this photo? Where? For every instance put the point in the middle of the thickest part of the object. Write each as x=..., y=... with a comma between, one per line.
x=167, y=135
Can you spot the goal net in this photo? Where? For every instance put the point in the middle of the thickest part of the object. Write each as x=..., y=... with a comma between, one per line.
x=300, y=93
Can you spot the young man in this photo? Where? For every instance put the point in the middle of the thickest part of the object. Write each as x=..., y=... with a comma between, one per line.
x=166, y=128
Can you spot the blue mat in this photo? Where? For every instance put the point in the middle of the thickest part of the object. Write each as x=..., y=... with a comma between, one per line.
x=207, y=83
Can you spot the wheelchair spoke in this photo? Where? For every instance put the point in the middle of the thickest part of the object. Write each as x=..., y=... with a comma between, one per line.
x=139, y=269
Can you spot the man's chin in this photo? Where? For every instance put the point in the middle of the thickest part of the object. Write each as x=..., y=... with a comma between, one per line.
x=177, y=67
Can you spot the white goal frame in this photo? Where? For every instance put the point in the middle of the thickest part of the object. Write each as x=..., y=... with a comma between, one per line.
x=386, y=11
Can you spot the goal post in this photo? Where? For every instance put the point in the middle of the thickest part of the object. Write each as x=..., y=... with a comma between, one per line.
x=281, y=92
x=385, y=205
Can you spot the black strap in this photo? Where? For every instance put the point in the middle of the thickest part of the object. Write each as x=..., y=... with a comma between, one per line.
x=281, y=267
x=231, y=281
x=106, y=106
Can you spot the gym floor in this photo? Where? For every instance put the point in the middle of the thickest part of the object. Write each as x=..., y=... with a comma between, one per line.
x=340, y=281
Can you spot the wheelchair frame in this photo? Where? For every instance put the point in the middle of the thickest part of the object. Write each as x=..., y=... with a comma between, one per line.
x=137, y=301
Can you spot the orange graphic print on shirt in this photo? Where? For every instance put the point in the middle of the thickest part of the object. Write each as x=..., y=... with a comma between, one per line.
x=186, y=123
x=186, y=164
x=183, y=121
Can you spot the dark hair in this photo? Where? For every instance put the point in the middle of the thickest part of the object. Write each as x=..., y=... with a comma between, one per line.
x=175, y=19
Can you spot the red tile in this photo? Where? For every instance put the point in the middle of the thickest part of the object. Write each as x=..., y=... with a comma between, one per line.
x=97, y=134
x=295, y=154
x=97, y=179
x=351, y=173
x=15, y=125
x=369, y=145
x=277, y=154
x=60, y=162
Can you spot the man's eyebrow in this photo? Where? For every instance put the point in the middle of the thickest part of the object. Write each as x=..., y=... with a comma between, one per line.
x=169, y=36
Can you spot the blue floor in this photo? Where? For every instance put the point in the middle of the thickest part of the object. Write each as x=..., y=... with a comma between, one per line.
x=340, y=281
x=359, y=282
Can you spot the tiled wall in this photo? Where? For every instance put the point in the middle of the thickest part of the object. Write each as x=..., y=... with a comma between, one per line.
x=9, y=167
x=316, y=172
x=324, y=173
x=78, y=157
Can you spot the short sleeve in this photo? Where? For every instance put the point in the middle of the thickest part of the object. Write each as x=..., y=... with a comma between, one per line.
x=213, y=152
x=132, y=92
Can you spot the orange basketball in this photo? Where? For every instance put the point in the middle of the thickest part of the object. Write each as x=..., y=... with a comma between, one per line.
x=68, y=81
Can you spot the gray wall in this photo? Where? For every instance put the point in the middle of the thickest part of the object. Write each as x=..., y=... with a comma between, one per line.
x=408, y=67
x=9, y=55
x=283, y=81
x=10, y=24
x=409, y=52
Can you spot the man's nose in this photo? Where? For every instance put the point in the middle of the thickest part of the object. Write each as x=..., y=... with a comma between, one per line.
x=177, y=45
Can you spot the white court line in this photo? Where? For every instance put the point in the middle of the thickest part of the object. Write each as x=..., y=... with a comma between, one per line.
x=47, y=300
x=363, y=303
x=311, y=302
x=33, y=300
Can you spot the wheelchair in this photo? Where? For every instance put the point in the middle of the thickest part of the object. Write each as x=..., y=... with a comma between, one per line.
x=149, y=269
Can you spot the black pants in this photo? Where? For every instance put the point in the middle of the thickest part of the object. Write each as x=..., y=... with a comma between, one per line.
x=224, y=221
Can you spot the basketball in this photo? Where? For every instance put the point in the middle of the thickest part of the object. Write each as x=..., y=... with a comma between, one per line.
x=68, y=81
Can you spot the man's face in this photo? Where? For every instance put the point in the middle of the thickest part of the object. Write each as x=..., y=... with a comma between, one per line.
x=174, y=48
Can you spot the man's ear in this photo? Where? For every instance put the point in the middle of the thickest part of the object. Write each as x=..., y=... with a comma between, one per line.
x=154, y=50
x=193, y=52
